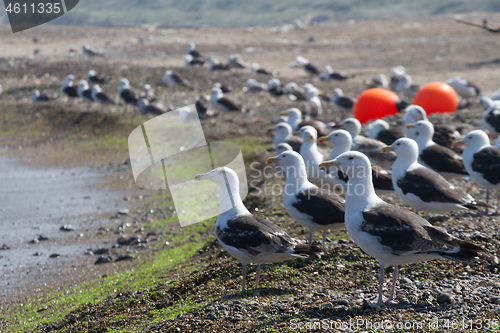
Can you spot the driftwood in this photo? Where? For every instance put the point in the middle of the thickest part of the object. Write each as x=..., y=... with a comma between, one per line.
x=479, y=25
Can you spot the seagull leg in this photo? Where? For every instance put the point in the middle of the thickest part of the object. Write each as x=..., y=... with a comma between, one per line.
x=324, y=241
x=393, y=287
x=380, y=298
x=310, y=236
x=257, y=275
x=244, y=276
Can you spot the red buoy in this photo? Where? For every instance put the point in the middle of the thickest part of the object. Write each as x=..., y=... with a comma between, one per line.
x=437, y=97
x=375, y=103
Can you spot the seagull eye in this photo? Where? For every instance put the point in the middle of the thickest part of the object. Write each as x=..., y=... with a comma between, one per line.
x=351, y=158
x=283, y=155
x=397, y=144
x=336, y=135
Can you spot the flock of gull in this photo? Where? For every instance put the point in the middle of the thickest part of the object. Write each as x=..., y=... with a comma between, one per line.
x=340, y=189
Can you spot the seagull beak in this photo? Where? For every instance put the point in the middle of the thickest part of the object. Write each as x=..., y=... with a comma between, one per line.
x=386, y=149
x=208, y=92
x=272, y=160
x=322, y=138
x=410, y=126
x=311, y=137
x=296, y=133
x=457, y=143
x=282, y=113
x=269, y=130
x=329, y=164
x=199, y=177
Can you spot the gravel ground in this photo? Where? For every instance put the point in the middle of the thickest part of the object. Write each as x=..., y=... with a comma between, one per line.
x=294, y=295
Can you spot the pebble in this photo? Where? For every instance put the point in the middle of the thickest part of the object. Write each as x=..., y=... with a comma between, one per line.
x=123, y=211
x=67, y=227
x=4, y=247
x=341, y=302
x=212, y=316
x=37, y=254
x=495, y=299
x=54, y=255
x=443, y=298
x=405, y=280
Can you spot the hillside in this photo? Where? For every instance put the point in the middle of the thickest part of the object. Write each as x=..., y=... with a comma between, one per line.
x=234, y=13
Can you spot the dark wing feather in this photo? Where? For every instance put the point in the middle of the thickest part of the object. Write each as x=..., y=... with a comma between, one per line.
x=493, y=119
x=310, y=68
x=382, y=180
x=251, y=233
x=87, y=94
x=388, y=136
x=129, y=96
x=71, y=91
x=345, y=102
x=487, y=162
x=323, y=206
x=443, y=159
x=105, y=98
x=444, y=135
x=229, y=104
x=405, y=232
x=430, y=187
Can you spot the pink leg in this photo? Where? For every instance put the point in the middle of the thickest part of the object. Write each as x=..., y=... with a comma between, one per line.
x=257, y=275
x=393, y=287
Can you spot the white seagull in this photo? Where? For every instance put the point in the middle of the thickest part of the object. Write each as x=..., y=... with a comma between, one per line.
x=246, y=237
x=392, y=235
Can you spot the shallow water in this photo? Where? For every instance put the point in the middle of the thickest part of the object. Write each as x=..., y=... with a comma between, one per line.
x=37, y=201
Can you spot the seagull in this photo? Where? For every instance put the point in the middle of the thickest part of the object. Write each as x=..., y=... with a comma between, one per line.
x=378, y=82
x=307, y=204
x=224, y=89
x=482, y=162
x=368, y=146
x=68, y=88
x=343, y=103
x=312, y=106
x=100, y=97
x=92, y=77
x=397, y=74
x=148, y=92
x=253, y=86
x=274, y=87
x=444, y=135
x=381, y=131
x=222, y=103
x=342, y=142
x=436, y=157
x=153, y=109
x=497, y=143
x=294, y=117
x=491, y=119
x=247, y=237
x=392, y=235
x=191, y=50
x=256, y=69
x=172, y=80
x=313, y=157
x=190, y=61
x=405, y=89
x=216, y=65
x=202, y=107
x=36, y=97
x=330, y=75
x=236, y=61
x=487, y=102
x=306, y=65
x=464, y=88
x=85, y=92
x=422, y=188
x=91, y=51
x=127, y=94
x=294, y=93
x=284, y=134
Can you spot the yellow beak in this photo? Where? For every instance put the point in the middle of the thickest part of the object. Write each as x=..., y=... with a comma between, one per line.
x=410, y=125
x=282, y=113
x=272, y=160
x=329, y=164
x=296, y=133
x=386, y=149
x=457, y=143
x=322, y=138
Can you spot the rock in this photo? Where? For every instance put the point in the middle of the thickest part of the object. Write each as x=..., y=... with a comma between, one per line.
x=263, y=317
x=4, y=247
x=37, y=254
x=353, y=311
x=103, y=260
x=495, y=299
x=443, y=298
x=42, y=238
x=365, y=306
x=54, y=255
x=340, y=302
x=288, y=299
x=67, y=227
x=328, y=305
x=405, y=280
x=212, y=316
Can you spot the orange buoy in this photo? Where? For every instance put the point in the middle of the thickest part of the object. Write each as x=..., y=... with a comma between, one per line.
x=437, y=97
x=375, y=103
